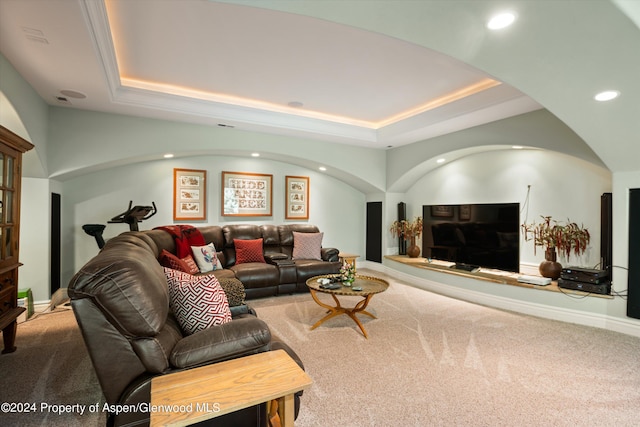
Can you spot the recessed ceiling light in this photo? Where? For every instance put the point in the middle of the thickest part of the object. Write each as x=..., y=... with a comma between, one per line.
x=501, y=20
x=607, y=95
x=322, y=168
x=255, y=154
x=517, y=147
x=168, y=156
x=441, y=160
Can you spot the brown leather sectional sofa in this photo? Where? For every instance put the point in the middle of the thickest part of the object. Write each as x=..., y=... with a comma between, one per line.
x=120, y=300
x=279, y=275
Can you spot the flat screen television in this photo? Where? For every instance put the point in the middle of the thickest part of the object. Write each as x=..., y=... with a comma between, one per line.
x=484, y=235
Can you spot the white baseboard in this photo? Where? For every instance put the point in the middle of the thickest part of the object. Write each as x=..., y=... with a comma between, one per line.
x=596, y=320
x=59, y=298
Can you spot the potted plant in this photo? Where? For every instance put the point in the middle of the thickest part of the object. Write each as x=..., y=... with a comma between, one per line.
x=554, y=236
x=408, y=231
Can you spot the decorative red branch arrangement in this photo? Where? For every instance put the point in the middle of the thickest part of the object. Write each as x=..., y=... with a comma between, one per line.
x=565, y=238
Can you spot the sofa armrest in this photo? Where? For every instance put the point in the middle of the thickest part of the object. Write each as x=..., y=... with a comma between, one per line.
x=242, y=336
x=275, y=257
x=240, y=310
x=329, y=254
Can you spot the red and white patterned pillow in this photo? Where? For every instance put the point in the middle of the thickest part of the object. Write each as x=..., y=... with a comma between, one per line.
x=198, y=302
x=307, y=245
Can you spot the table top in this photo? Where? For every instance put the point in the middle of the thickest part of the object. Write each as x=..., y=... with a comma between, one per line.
x=348, y=255
x=217, y=389
x=369, y=284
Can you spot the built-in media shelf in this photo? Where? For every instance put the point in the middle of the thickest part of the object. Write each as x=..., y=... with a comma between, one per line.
x=489, y=275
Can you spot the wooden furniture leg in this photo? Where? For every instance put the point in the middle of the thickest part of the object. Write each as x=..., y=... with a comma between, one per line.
x=338, y=309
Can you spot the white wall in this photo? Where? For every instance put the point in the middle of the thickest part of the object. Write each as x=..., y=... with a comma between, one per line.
x=561, y=186
x=35, y=238
x=86, y=141
x=336, y=208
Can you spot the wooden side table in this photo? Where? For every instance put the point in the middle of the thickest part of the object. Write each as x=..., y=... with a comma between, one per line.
x=349, y=259
x=369, y=287
x=218, y=389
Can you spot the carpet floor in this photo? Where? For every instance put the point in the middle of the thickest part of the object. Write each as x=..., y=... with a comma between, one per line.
x=435, y=361
x=429, y=361
x=50, y=370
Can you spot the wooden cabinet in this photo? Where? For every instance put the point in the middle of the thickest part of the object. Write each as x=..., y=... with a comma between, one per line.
x=11, y=148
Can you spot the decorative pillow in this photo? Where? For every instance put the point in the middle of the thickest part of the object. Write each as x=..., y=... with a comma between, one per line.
x=198, y=302
x=206, y=257
x=248, y=251
x=234, y=289
x=307, y=245
x=186, y=264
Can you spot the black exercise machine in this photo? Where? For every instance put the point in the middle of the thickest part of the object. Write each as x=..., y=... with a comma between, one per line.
x=132, y=216
x=95, y=230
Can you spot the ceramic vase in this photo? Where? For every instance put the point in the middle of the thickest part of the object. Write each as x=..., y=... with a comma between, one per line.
x=413, y=250
x=550, y=267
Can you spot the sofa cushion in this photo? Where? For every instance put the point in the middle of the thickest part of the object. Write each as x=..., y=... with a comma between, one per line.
x=243, y=336
x=198, y=302
x=248, y=251
x=186, y=264
x=307, y=268
x=256, y=274
x=153, y=351
x=307, y=245
x=206, y=257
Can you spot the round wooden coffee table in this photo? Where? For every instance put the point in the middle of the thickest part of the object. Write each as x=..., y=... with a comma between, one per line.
x=370, y=286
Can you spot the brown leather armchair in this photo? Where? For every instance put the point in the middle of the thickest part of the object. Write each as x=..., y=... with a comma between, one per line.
x=120, y=300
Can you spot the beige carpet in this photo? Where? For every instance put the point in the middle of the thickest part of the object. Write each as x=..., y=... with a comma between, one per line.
x=435, y=361
x=429, y=361
x=50, y=369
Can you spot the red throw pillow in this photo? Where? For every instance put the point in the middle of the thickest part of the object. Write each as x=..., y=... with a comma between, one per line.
x=248, y=251
x=186, y=264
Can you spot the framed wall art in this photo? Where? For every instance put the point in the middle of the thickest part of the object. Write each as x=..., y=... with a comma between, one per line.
x=297, y=197
x=189, y=194
x=246, y=194
x=465, y=212
x=443, y=211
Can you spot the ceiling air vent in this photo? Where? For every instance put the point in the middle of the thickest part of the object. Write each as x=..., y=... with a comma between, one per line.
x=62, y=100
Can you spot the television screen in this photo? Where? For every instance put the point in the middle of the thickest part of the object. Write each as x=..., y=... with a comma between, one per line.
x=484, y=235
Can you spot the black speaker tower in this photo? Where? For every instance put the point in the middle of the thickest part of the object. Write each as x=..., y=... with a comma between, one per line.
x=374, y=232
x=633, y=286
x=56, y=242
x=402, y=215
x=606, y=233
